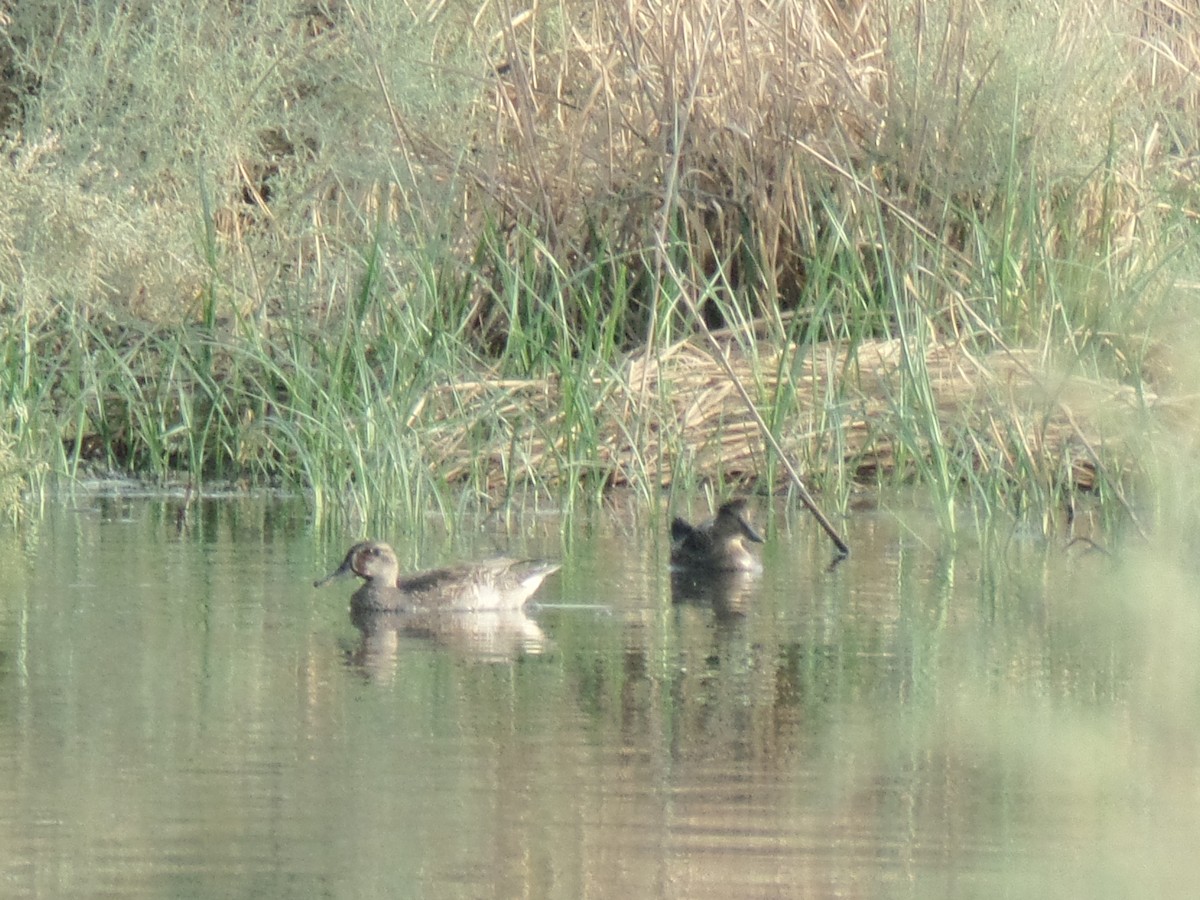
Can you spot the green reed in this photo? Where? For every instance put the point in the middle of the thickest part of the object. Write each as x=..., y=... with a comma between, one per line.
x=328, y=404
x=339, y=233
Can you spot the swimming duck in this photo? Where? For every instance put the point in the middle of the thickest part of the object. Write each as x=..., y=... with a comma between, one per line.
x=491, y=584
x=718, y=544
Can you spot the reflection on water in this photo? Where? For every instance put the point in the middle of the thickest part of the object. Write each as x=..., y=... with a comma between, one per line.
x=727, y=593
x=484, y=635
x=182, y=715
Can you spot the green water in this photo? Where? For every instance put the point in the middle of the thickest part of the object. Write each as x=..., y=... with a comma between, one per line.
x=183, y=715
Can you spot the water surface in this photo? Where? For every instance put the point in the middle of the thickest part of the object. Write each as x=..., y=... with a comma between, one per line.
x=181, y=714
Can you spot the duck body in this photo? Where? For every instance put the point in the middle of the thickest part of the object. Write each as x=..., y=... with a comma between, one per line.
x=717, y=545
x=502, y=583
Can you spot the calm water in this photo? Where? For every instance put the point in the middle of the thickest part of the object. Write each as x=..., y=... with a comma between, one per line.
x=182, y=715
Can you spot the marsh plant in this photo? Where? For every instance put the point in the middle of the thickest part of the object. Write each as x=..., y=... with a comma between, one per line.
x=384, y=256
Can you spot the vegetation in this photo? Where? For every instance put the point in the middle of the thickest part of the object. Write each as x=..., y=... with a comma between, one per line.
x=372, y=253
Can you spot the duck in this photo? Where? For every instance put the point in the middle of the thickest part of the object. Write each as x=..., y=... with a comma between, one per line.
x=501, y=583
x=718, y=544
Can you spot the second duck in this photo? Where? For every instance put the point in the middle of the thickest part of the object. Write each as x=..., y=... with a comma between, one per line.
x=718, y=544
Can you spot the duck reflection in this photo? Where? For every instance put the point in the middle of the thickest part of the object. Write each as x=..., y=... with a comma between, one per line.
x=490, y=636
x=728, y=593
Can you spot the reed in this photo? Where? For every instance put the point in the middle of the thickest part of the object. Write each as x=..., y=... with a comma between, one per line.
x=396, y=280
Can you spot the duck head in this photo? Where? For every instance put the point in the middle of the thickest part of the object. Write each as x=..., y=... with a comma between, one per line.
x=372, y=560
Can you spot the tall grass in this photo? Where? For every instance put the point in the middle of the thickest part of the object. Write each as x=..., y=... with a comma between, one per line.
x=398, y=261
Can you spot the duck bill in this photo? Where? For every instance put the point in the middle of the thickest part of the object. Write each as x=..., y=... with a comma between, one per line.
x=345, y=567
x=749, y=532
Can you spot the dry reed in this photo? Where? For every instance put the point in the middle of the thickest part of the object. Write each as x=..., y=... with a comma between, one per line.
x=1007, y=407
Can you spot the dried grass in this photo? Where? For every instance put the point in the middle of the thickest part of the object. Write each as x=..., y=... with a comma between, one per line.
x=1005, y=411
x=758, y=133
x=701, y=108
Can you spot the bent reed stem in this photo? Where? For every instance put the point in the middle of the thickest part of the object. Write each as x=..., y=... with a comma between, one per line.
x=721, y=360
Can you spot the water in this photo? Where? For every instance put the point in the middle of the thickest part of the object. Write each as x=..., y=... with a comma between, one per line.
x=182, y=715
